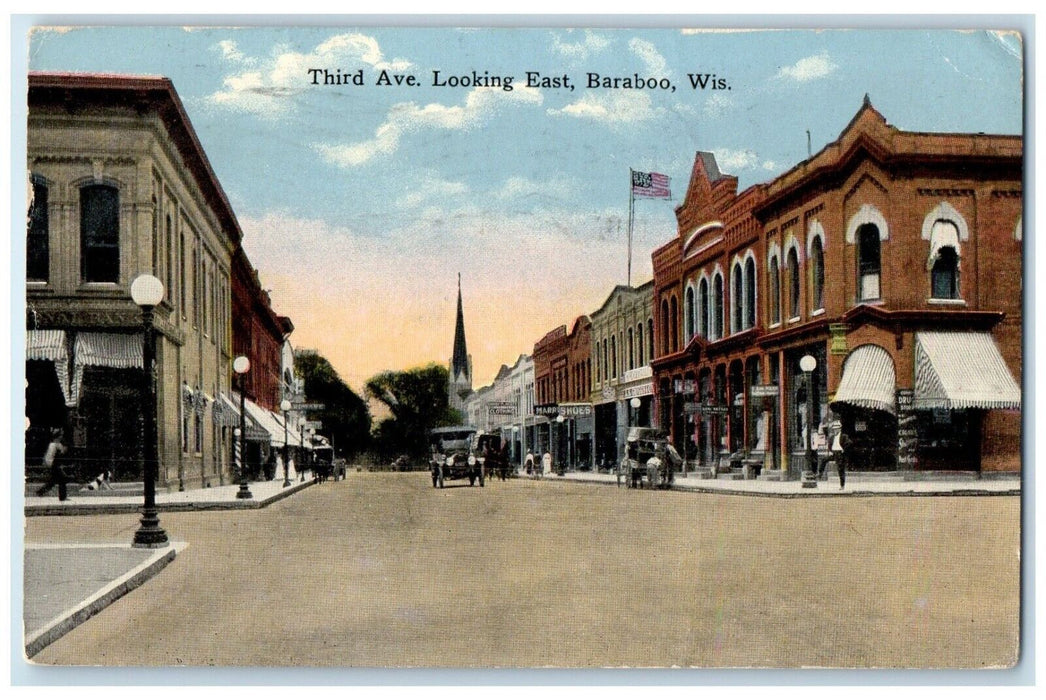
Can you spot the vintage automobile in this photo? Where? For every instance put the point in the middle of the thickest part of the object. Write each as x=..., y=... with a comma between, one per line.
x=452, y=457
x=492, y=452
x=649, y=457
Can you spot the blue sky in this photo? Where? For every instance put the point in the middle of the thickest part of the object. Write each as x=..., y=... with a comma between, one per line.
x=361, y=204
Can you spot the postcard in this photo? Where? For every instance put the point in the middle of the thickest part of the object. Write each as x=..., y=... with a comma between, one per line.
x=519, y=347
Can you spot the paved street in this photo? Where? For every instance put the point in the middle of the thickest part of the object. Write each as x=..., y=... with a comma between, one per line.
x=383, y=570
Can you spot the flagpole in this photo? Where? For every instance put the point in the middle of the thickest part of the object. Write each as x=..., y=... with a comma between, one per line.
x=631, y=218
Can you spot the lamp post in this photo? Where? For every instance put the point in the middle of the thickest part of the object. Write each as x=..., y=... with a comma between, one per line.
x=285, y=406
x=147, y=293
x=808, y=364
x=559, y=437
x=241, y=365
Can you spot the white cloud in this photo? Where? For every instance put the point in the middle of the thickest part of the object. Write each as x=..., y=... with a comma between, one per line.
x=405, y=117
x=809, y=68
x=614, y=108
x=262, y=88
x=430, y=187
x=580, y=50
x=732, y=161
x=653, y=60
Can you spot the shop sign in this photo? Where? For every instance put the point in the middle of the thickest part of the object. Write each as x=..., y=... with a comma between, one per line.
x=763, y=391
x=546, y=409
x=711, y=410
x=691, y=407
x=837, y=333
x=501, y=408
x=907, y=430
x=572, y=410
x=308, y=406
x=314, y=424
x=644, y=389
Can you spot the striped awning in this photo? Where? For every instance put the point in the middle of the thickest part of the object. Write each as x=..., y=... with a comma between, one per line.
x=270, y=423
x=49, y=345
x=868, y=380
x=119, y=350
x=962, y=369
x=225, y=412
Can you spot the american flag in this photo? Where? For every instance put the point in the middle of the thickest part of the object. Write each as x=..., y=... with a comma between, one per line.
x=652, y=185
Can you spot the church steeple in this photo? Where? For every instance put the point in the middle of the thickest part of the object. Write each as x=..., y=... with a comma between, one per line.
x=459, y=364
x=459, y=381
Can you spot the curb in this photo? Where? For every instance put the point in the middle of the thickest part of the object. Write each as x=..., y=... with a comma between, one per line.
x=76, y=616
x=848, y=493
x=176, y=507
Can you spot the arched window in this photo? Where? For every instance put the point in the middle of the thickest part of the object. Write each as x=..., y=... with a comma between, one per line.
x=99, y=233
x=38, y=243
x=650, y=337
x=943, y=262
x=775, y=291
x=606, y=361
x=664, y=327
x=717, y=307
x=737, y=292
x=750, y=293
x=688, y=314
x=639, y=344
x=613, y=356
x=816, y=275
x=793, y=278
x=673, y=322
x=702, y=311
x=631, y=350
x=869, y=263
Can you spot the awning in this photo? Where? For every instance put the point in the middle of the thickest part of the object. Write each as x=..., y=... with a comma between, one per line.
x=293, y=438
x=270, y=423
x=120, y=350
x=962, y=369
x=868, y=380
x=49, y=345
x=225, y=412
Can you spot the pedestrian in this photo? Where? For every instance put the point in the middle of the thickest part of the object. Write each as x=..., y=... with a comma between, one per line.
x=528, y=463
x=845, y=443
x=56, y=470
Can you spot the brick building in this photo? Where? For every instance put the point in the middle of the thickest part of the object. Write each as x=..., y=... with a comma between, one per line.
x=894, y=260
x=562, y=381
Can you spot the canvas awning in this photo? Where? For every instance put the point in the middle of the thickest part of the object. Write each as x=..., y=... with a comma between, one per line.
x=49, y=345
x=868, y=380
x=962, y=369
x=119, y=350
x=270, y=423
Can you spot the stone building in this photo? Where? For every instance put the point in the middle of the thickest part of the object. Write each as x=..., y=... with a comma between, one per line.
x=622, y=347
x=121, y=187
x=891, y=258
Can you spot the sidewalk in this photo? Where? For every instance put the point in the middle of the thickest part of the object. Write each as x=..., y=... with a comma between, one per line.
x=856, y=485
x=66, y=584
x=130, y=501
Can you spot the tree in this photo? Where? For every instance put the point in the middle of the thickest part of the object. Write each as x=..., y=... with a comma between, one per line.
x=417, y=400
x=346, y=418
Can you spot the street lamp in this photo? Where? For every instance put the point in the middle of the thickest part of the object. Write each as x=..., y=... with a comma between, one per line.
x=285, y=406
x=147, y=293
x=559, y=437
x=808, y=364
x=241, y=365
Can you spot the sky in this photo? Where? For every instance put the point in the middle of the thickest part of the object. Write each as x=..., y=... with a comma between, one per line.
x=360, y=204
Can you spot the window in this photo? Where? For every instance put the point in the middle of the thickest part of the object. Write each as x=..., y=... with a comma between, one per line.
x=717, y=307
x=869, y=263
x=793, y=277
x=197, y=430
x=181, y=267
x=750, y=293
x=736, y=309
x=195, y=287
x=639, y=344
x=664, y=327
x=38, y=244
x=613, y=356
x=673, y=327
x=169, y=252
x=631, y=350
x=606, y=361
x=816, y=274
x=702, y=308
x=775, y=291
x=99, y=233
x=944, y=260
x=945, y=274
x=650, y=337
x=688, y=314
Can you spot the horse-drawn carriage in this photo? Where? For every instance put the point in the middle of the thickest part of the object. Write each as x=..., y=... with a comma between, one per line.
x=649, y=459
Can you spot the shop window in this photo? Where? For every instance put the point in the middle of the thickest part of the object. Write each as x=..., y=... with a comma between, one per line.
x=945, y=274
x=775, y=291
x=99, y=233
x=717, y=307
x=38, y=245
x=816, y=274
x=793, y=286
x=869, y=263
x=750, y=293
